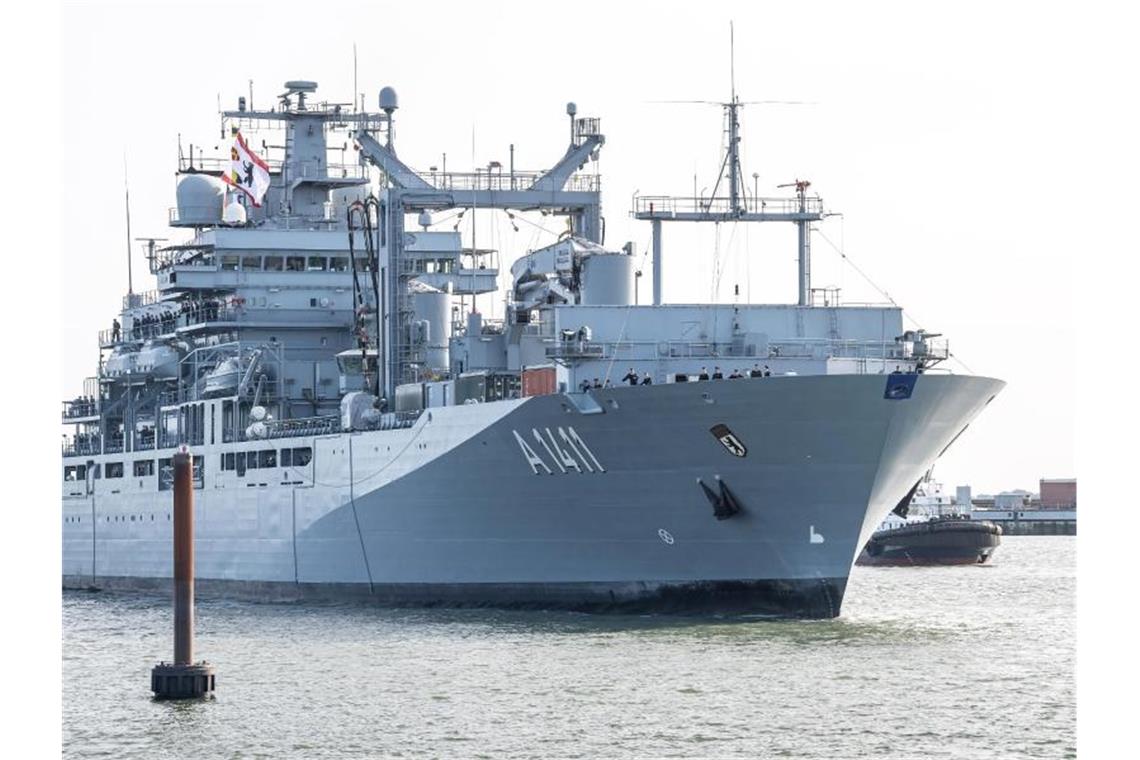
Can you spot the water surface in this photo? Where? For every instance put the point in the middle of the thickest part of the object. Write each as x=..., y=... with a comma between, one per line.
x=953, y=662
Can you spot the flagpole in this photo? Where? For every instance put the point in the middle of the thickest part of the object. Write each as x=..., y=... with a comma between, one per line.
x=127, y=191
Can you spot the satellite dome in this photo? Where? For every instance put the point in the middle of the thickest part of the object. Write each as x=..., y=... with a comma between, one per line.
x=199, y=198
x=234, y=213
x=388, y=100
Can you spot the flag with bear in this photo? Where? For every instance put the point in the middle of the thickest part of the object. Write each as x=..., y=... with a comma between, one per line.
x=248, y=172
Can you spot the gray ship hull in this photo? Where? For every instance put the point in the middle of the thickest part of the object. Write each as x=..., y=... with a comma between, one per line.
x=560, y=501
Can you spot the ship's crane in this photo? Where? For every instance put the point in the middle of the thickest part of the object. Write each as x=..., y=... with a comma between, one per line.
x=559, y=190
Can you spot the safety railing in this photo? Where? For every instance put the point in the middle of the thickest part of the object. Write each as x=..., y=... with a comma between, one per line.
x=82, y=445
x=136, y=300
x=679, y=204
x=308, y=169
x=79, y=408
x=931, y=349
x=321, y=425
x=798, y=349
x=202, y=257
x=167, y=324
x=506, y=181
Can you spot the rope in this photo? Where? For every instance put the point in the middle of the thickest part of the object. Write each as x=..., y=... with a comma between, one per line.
x=351, y=480
x=885, y=294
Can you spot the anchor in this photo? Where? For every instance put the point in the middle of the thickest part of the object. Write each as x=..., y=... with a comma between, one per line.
x=724, y=503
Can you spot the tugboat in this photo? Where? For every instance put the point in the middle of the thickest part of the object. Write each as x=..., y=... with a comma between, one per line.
x=921, y=532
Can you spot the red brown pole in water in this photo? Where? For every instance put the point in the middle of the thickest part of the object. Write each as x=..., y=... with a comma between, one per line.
x=183, y=558
x=183, y=678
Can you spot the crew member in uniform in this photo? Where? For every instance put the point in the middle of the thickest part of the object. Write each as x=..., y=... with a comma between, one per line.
x=630, y=377
x=756, y=371
x=647, y=380
x=717, y=374
x=704, y=374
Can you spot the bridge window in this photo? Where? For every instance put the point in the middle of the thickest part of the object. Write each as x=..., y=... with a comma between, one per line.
x=75, y=472
x=228, y=461
x=316, y=264
x=240, y=460
x=274, y=263
x=338, y=264
x=229, y=263
x=302, y=456
x=295, y=264
x=114, y=469
x=267, y=458
x=286, y=457
x=251, y=263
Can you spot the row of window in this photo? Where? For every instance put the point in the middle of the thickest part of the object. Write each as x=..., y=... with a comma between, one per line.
x=240, y=461
x=140, y=468
x=285, y=263
x=264, y=459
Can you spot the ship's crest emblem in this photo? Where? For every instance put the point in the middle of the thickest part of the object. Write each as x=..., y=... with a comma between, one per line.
x=729, y=440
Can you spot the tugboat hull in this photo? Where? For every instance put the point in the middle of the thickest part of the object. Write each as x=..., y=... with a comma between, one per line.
x=941, y=542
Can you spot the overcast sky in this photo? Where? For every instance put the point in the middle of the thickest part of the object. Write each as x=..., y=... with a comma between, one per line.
x=935, y=131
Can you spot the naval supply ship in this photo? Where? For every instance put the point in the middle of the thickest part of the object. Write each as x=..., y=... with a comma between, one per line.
x=360, y=429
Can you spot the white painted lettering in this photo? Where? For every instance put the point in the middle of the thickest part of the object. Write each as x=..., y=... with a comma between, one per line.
x=561, y=455
x=538, y=437
x=575, y=441
x=533, y=459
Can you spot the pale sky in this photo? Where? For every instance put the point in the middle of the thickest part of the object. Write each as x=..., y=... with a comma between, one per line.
x=935, y=131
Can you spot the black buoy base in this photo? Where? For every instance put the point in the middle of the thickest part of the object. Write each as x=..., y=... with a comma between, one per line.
x=172, y=681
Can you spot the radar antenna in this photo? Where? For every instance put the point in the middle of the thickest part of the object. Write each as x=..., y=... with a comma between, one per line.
x=736, y=207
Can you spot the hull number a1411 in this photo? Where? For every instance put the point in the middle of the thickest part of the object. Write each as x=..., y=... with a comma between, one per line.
x=563, y=447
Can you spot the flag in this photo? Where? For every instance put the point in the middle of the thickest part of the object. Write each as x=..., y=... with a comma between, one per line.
x=247, y=173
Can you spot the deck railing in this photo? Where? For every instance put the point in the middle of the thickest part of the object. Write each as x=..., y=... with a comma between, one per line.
x=680, y=204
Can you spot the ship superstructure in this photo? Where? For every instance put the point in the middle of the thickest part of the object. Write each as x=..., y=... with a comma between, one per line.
x=360, y=427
